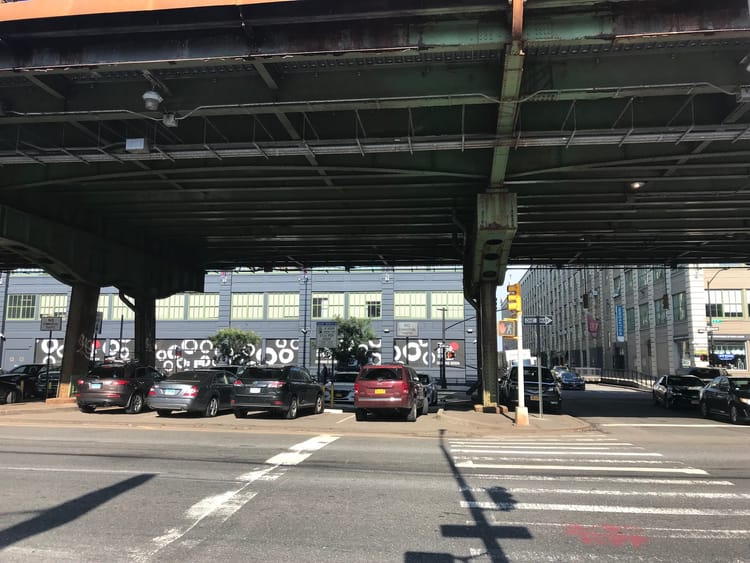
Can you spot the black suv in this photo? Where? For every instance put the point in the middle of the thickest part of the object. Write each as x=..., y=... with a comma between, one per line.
x=116, y=384
x=550, y=394
x=284, y=390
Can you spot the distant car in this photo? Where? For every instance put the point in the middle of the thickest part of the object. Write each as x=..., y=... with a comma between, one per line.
x=550, y=395
x=571, y=380
x=557, y=371
x=707, y=374
x=284, y=390
x=203, y=391
x=430, y=388
x=116, y=384
x=343, y=387
x=25, y=377
x=677, y=391
x=727, y=396
x=389, y=387
x=9, y=392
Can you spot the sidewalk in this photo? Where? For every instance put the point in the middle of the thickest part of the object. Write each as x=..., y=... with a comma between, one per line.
x=454, y=418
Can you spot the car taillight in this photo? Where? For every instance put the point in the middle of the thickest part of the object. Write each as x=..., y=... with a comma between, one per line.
x=80, y=382
x=356, y=388
x=405, y=387
x=192, y=392
x=152, y=392
x=117, y=382
x=238, y=383
x=275, y=384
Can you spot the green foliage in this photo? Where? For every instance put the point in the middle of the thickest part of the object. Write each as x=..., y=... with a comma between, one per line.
x=233, y=343
x=354, y=335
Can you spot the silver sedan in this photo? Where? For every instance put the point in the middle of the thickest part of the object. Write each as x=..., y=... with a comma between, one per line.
x=203, y=392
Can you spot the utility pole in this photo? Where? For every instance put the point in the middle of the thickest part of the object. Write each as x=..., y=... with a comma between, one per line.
x=443, y=382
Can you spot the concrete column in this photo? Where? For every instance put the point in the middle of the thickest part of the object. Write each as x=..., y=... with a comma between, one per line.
x=488, y=320
x=79, y=337
x=145, y=330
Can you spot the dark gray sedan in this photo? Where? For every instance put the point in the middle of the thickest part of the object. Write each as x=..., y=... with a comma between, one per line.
x=205, y=392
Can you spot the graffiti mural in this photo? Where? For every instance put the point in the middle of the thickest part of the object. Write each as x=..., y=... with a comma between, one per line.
x=425, y=353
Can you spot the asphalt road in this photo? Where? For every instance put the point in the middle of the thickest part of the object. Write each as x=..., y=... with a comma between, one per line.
x=645, y=485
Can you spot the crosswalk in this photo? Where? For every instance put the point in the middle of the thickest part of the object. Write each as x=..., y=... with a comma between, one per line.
x=594, y=498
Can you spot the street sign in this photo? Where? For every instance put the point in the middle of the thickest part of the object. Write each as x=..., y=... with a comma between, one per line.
x=50, y=323
x=408, y=329
x=327, y=334
x=541, y=320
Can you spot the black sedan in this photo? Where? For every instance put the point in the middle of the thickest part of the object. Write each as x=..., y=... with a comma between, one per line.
x=204, y=392
x=571, y=380
x=677, y=391
x=24, y=377
x=283, y=390
x=727, y=396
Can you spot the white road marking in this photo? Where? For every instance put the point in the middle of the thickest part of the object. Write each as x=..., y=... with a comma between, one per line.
x=588, y=478
x=586, y=448
x=601, y=508
x=686, y=470
x=559, y=452
x=677, y=425
x=565, y=460
x=344, y=419
x=613, y=493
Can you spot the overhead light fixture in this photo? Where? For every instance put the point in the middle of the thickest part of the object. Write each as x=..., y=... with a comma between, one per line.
x=636, y=185
x=151, y=100
x=136, y=145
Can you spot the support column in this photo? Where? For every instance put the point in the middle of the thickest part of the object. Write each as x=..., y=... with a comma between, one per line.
x=488, y=320
x=79, y=337
x=145, y=330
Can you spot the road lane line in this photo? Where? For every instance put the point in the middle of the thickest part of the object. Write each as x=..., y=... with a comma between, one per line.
x=588, y=478
x=600, y=508
x=344, y=419
x=614, y=493
x=557, y=452
x=676, y=425
x=566, y=460
x=686, y=470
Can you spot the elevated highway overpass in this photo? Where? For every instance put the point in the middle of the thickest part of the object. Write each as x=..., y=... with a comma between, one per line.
x=142, y=146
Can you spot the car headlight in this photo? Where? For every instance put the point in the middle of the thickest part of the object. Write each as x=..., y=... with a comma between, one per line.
x=745, y=400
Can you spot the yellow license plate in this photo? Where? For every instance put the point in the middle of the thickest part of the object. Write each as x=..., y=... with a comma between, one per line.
x=380, y=391
x=534, y=398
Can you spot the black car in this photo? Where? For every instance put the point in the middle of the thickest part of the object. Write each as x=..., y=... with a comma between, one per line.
x=430, y=388
x=707, y=374
x=204, y=391
x=677, y=391
x=116, y=384
x=9, y=392
x=284, y=390
x=25, y=377
x=571, y=380
x=727, y=396
x=551, y=396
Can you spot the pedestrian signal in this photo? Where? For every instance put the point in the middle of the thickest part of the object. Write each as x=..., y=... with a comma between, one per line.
x=506, y=329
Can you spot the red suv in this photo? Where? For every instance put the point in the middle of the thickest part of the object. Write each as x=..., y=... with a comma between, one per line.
x=393, y=387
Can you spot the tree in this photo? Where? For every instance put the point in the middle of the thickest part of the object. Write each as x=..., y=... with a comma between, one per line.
x=354, y=335
x=232, y=344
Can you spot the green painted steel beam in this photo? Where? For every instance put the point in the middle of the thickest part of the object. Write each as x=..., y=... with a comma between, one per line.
x=506, y=114
x=75, y=256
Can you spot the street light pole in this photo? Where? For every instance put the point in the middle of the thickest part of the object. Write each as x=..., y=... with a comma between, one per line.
x=711, y=316
x=443, y=382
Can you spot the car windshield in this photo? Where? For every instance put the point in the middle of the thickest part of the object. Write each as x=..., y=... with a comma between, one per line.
x=346, y=377
x=424, y=378
x=686, y=381
x=19, y=369
x=380, y=373
x=530, y=374
x=189, y=377
x=741, y=383
x=569, y=375
x=266, y=374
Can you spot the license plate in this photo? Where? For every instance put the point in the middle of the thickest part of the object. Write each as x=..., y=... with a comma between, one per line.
x=171, y=391
x=534, y=398
x=380, y=391
x=341, y=393
x=96, y=385
x=254, y=389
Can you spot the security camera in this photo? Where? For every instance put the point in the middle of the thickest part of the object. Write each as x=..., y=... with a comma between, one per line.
x=152, y=100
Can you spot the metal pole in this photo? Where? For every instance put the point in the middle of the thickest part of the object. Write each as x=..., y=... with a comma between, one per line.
x=119, y=348
x=304, y=329
x=443, y=382
x=5, y=314
x=46, y=378
x=539, y=369
x=520, y=370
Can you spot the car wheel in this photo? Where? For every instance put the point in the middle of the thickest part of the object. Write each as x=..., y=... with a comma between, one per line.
x=319, y=404
x=86, y=408
x=240, y=413
x=734, y=416
x=704, y=410
x=136, y=404
x=292, y=411
x=11, y=397
x=163, y=412
x=360, y=414
x=411, y=414
x=425, y=406
x=212, y=408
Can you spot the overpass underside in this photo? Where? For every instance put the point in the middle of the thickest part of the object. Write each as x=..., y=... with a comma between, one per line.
x=140, y=149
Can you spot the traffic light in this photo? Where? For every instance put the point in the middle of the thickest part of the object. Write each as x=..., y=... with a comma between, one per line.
x=514, y=298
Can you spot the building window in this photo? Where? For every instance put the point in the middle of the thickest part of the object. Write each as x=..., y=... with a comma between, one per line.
x=247, y=306
x=21, y=307
x=642, y=278
x=102, y=306
x=365, y=305
x=617, y=291
x=327, y=305
x=283, y=306
x=658, y=274
x=171, y=309
x=679, y=306
x=643, y=313
x=203, y=306
x=120, y=310
x=630, y=317
x=660, y=312
x=725, y=303
x=51, y=304
x=451, y=301
x=409, y=305
x=629, y=280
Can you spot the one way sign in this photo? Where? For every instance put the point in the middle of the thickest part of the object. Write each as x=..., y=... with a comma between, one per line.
x=542, y=320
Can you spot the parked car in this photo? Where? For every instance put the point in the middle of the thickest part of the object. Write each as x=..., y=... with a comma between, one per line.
x=283, y=390
x=200, y=391
x=707, y=374
x=727, y=396
x=677, y=390
x=47, y=382
x=571, y=380
x=557, y=371
x=9, y=392
x=25, y=377
x=116, y=384
x=430, y=388
x=389, y=387
x=551, y=396
x=343, y=387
